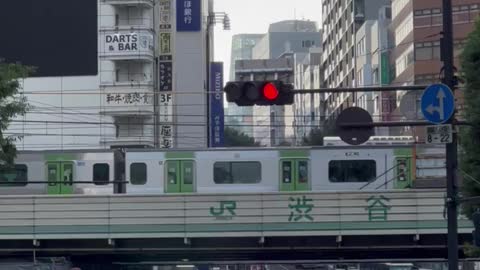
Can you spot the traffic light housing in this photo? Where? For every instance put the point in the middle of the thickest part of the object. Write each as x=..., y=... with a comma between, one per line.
x=476, y=225
x=263, y=93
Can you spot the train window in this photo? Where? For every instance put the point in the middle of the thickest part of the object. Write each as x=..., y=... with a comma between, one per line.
x=138, y=173
x=172, y=172
x=14, y=177
x=302, y=171
x=101, y=174
x=287, y=171
x=187, y=173
x=237, y=172
x=352, y=171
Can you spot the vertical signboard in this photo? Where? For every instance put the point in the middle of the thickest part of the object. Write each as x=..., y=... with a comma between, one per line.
x=165, y=76
x=189, y=15
x=166, y=120
x=216, y=105
x=165, y=15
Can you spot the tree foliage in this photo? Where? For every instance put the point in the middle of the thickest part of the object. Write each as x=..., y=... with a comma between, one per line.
x=11, y=106
x=235, y=138
x=470, y=136
x=315, y=137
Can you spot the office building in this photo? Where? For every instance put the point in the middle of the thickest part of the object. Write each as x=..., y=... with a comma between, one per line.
x=417, y=26
x=341, y=21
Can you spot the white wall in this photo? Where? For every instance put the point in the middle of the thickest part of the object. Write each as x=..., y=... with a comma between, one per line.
x=60, y=108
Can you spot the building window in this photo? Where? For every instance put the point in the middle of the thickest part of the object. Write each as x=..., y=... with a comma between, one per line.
x=308, y=43
x=138, y=173
x=403, y=30
x=433, y=17
x=427, y=79
x=375, y=77
x=427, y=50
x=397, y=6
x=14, y=177
x=402, y=62
x=348, y=171
x=101, y=174
x=237, y=172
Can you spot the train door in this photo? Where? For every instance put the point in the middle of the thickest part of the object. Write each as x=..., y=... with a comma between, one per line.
x=294, y=175
x=60, y=177
x=180, y=176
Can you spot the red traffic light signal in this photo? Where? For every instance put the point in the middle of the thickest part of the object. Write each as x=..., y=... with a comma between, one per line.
x=259, y=93
x=270, y=91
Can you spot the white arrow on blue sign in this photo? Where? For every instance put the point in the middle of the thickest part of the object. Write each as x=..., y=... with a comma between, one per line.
x=438, y=103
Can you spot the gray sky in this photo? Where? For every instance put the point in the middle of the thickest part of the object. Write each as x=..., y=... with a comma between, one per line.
x=254, y=16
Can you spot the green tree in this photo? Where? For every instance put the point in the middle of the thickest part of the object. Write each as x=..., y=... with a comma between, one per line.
x=315, y=137
x=11, y=106
x=470, y=136
x=233, y=138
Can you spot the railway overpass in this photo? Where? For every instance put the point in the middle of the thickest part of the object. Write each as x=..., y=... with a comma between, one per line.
x=230, y=227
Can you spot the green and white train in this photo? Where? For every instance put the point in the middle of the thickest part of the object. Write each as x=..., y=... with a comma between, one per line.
x=379, y=164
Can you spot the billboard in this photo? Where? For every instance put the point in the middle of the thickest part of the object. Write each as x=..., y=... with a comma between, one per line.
x=128, y=43
x=189, y=15
x=216, y=105
x=59, y=37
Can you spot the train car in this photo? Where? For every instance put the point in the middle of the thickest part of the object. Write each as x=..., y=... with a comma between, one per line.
x=59, y=172
x=385, y=164
x=328, y=168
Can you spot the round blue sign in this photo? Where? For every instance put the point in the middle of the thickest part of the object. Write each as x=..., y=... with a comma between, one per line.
x=438, y=103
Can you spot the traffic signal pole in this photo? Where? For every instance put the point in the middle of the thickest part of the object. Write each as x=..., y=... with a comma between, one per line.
x=452, y=161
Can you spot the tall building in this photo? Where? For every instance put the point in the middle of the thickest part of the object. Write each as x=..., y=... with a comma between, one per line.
x=292, y=36
x=341, y=21
x=148, y=88
x=242, y=49
x=307, y=109
x=417, y=26
x=373, y=48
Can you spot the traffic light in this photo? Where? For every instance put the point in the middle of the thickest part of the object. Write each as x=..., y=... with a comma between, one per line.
x=476, y=225
x=264, y=93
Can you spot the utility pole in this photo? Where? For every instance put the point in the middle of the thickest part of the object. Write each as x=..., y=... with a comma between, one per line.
x=452, y=162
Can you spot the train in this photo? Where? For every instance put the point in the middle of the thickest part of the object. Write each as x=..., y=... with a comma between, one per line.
x=381, y=163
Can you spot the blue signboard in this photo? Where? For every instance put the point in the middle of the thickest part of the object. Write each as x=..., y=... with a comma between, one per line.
x=438, y=103
x=216, y=105
x=189, y=15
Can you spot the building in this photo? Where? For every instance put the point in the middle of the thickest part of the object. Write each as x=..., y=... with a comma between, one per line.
x=274, y=125
x=341, y=21
x=307, y=109
x=269, y=122
x=282, y=40
x=416, y=26
x=166, y=116
x=287, y=36
x=150, y=88
x=373, y=48
x=242, y=49
x=126, y=60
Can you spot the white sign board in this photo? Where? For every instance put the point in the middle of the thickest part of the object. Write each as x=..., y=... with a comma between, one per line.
x=439, y=134
x=128, y=42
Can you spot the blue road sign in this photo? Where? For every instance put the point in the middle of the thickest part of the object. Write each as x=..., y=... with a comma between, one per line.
x=438, y=103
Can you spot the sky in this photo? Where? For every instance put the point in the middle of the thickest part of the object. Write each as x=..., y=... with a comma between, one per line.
x=254, y=16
